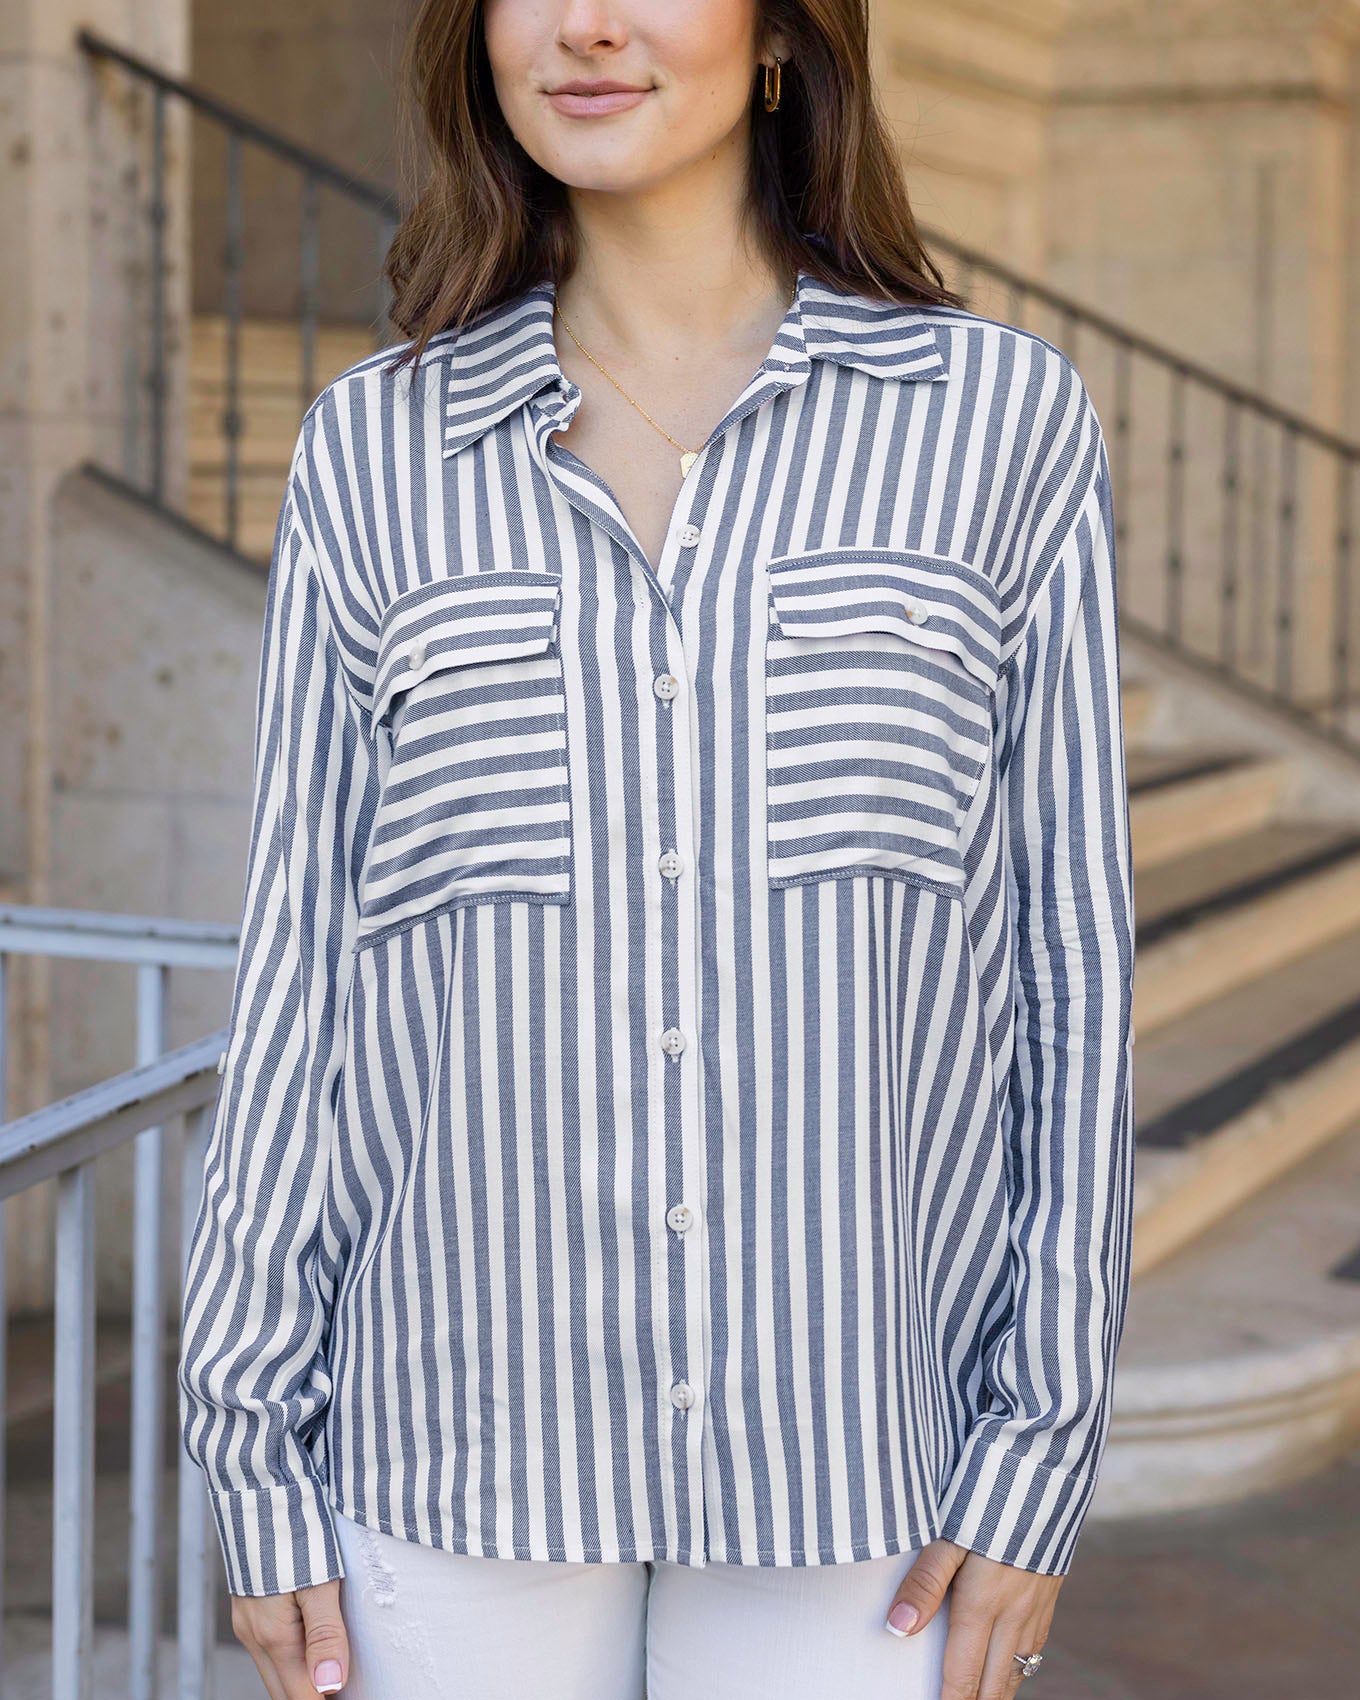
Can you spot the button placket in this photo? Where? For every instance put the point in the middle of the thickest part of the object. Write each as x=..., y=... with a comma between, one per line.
x=688, y=1361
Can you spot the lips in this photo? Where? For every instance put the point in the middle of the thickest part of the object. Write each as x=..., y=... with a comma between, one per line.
x=600, y=85
x=591, y=100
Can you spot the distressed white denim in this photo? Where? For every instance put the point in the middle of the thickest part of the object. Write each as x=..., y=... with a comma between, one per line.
x=424, y=1621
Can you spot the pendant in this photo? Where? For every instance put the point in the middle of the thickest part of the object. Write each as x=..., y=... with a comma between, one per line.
x=687, y=460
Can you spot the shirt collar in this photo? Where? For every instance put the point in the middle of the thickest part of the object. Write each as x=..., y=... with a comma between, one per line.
x=507, y=355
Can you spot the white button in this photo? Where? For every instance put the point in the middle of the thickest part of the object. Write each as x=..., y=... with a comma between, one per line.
x=417, y=653
x=690, y=535
x=670, y=864
x=673, y=1041
x=666, y=685
x=222, y=1063
x=917, y=614
x=680, y=1217
x=682, y=1395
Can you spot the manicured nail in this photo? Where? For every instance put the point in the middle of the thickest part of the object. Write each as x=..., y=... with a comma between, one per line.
x=326, y=1676
x=902, y=1618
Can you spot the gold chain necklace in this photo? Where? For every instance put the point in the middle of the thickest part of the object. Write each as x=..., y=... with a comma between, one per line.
x=687, y=456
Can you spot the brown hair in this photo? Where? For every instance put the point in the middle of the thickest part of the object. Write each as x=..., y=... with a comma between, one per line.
x=826, y=187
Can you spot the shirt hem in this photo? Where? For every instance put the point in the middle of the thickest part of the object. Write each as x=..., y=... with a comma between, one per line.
x=790, y=1558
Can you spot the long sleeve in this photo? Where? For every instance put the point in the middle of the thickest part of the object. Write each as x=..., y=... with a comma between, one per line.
x=1028, y=1469
x=253, y=1376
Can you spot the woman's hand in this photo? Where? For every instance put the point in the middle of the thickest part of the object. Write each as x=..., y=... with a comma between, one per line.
x=297, y=1640
x=995, y=1611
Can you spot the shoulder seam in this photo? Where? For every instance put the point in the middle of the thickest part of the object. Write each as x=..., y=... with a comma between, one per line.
x=956, y=315
x=437, y=349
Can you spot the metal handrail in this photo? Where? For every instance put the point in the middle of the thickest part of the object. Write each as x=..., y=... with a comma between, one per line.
x=99, y=935
x=1079, y=314
x=145, y=450
x=61, y=1142
x=1234, y=525
x=232, y=118
x=58, y=1137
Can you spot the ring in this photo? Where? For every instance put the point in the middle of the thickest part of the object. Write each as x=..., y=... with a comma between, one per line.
x=1029, y=1662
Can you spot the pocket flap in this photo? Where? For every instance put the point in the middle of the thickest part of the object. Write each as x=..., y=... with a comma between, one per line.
x=461, y=621
x=935, y=601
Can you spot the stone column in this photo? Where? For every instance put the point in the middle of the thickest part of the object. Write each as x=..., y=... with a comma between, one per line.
x=72, y=292
x=968, y=85
x=1202, y=182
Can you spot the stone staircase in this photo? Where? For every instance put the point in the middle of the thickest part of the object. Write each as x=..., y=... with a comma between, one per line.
x=1240, y=1365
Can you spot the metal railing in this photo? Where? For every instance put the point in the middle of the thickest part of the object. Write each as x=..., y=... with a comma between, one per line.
x=1233, y=514
x=145, y=450
x=61, y=1142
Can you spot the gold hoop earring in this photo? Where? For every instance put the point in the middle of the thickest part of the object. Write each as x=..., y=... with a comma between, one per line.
x=772, y=100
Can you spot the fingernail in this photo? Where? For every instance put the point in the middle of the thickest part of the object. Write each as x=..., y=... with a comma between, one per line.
x=902, y=1618
x=326, y=1676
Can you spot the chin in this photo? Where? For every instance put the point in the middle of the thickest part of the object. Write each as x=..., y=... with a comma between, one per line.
x=614, y=174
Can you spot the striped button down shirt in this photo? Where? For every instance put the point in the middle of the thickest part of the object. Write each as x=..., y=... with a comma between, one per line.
x=677, y=1103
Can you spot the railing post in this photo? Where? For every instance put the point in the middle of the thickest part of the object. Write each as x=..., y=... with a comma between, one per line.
x=310, y=264
x=197, y=1537
x=148, y=1354
x=233, y=263
x=1342, y=600
x=1175, y=508
x=73, y=1440
x=1121, y=456
x=1255, y=615
x=1285, y=588
x=1232, y=484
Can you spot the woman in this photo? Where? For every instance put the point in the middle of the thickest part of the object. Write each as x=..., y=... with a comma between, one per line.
x=667, y=1216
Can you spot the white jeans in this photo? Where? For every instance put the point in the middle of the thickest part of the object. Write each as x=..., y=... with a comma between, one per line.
x=447, y=1626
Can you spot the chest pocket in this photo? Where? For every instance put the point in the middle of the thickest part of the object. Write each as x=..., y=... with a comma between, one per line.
x=881, y=672
x=474, y=804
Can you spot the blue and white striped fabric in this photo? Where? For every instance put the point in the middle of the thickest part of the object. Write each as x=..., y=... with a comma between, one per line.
x=678, y=1102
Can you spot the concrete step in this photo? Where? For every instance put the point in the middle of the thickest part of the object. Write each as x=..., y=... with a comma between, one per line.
x=1137, y=698
x=269, y=425
x=1226, y=913
x=1239, y=1367
x=271, y=350
x=27, y=1673
x=30, y=1359
x=1185, y=798
x=1236, y=1092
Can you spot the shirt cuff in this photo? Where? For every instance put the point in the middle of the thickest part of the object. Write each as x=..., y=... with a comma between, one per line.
x=1012, y=1509
x=277, y=1539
